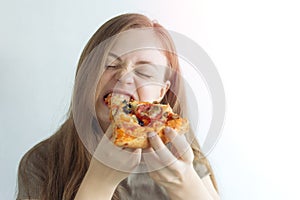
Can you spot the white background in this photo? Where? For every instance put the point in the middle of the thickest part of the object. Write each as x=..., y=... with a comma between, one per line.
x=254, y=44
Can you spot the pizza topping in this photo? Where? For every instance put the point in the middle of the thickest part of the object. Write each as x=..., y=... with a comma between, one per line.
x=166, y=114
x=155, y=112
x=127, y=108
x=144, y=121
x=172, y=116
x=132, y=120
x=147, y=113
x=141, y=114
x=141, y=123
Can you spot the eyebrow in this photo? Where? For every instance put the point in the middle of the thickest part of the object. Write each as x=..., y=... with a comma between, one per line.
x=114, y=55
x=141, y=62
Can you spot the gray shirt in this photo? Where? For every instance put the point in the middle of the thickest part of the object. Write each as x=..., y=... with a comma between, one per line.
x=135, y=187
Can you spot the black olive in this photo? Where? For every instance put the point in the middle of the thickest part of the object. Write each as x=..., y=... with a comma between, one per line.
x=141, y=123
x=126, y=109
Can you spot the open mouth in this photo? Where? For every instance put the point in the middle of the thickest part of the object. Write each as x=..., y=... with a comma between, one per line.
x=107, y=98
x=125, y=96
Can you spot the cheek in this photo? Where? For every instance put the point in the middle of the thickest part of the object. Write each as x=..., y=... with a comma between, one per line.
x=149, y=93
x=103, y=81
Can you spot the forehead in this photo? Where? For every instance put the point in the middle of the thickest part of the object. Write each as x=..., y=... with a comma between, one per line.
x=143, y=56
x=138, y=42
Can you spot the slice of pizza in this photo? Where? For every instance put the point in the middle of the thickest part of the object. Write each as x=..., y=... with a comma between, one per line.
x=132, y=120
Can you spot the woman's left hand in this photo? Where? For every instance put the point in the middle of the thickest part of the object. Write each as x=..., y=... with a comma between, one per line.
x=173, y=168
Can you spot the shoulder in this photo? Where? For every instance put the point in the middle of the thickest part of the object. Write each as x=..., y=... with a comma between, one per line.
x=32, y=171
x=36, y=156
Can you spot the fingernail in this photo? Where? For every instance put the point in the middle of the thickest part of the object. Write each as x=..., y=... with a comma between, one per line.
x=151, y=134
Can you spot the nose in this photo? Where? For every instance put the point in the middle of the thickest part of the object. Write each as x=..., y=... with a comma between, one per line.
x=125, y=76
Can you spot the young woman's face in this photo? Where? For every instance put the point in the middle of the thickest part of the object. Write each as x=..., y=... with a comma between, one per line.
x=139, y=74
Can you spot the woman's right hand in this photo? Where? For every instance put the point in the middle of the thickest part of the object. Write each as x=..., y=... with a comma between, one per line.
x=108, y=167
x=119, y=159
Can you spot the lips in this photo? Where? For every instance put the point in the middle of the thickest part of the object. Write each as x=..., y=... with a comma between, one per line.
x=107, y=98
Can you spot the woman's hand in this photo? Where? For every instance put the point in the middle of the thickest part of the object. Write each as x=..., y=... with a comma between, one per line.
x=173, y=168
x=109, y=166
x=117, y=158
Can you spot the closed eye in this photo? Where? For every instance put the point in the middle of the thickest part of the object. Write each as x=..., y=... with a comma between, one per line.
x=112, y=66
x=143, y=75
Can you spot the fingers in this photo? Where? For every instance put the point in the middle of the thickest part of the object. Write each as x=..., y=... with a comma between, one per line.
x=137, y=151
x=178, y=142
x=155, y=141
x=181, y=145
x=159, y=152
x=116, y=157
x=109, y=132
x=154, y=162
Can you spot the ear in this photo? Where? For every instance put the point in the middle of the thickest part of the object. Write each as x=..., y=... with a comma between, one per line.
x=164, y=89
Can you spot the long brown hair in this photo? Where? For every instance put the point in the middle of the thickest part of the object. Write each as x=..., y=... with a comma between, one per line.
x=67, y=157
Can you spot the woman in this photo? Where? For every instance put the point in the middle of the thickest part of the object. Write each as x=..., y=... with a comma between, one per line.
x=79, y=162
